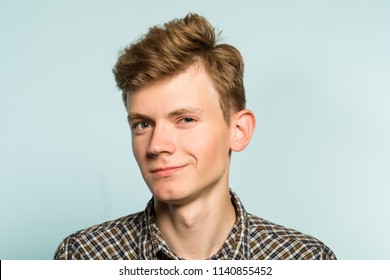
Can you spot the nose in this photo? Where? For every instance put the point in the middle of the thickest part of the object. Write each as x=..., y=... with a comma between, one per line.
x=161, y=142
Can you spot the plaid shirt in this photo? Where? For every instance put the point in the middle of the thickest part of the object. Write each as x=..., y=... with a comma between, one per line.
x=137, y=237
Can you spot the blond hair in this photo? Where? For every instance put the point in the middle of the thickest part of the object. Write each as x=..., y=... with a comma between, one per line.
x=170, y=49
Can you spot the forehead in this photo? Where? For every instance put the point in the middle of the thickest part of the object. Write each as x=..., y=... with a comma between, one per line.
x=190, y=88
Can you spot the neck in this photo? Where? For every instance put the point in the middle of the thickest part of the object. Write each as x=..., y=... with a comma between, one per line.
x=197, y=230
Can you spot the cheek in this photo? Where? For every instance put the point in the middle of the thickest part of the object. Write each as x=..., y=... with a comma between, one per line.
x=209, y=145
x=137, y=148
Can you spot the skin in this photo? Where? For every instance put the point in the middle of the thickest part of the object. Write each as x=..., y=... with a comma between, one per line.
x=182, y=145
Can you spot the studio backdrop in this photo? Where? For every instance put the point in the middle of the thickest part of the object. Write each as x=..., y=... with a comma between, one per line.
x=317, y=76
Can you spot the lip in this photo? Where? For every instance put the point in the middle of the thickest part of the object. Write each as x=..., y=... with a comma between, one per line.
x=166, y=171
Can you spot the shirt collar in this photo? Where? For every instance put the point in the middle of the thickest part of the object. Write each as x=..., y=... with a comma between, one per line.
x=236, y=247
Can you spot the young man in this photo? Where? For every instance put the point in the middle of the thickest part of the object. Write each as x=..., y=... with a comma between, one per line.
x=185, y=101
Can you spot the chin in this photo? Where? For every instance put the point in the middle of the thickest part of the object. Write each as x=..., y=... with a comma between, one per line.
x=169, y=193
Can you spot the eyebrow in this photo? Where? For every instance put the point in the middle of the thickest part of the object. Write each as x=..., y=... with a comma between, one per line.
x=135, y=116
x=184, y=111
x=178, y=112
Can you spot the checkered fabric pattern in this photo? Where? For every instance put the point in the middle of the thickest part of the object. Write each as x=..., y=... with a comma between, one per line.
x=137, y=237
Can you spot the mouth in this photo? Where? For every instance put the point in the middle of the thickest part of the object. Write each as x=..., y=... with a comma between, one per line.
x=166, y=171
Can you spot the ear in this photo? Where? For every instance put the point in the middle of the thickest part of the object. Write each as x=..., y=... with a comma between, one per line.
x=243, y=124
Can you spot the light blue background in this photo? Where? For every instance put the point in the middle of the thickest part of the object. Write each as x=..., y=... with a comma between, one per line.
x=317, y=77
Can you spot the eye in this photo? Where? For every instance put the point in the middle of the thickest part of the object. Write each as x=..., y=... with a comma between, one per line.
x=141, y=125
x=187, y=120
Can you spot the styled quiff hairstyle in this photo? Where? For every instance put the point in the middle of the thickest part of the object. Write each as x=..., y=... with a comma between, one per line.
x=170, y=49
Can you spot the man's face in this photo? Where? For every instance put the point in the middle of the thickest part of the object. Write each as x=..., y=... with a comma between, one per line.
x=179, y=137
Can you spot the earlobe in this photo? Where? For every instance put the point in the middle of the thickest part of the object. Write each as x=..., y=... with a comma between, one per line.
x=244, y=123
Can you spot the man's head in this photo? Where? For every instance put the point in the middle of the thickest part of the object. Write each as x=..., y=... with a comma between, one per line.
x=185, y=100
x=172, y=48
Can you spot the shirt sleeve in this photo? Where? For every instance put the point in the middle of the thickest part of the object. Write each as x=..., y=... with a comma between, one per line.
x=65, y=251
x=327, y=254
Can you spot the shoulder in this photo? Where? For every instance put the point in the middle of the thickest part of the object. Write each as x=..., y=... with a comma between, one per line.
x=116, y=239
x=271, y=241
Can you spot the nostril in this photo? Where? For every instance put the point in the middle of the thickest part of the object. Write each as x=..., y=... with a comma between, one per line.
x=151, y=155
